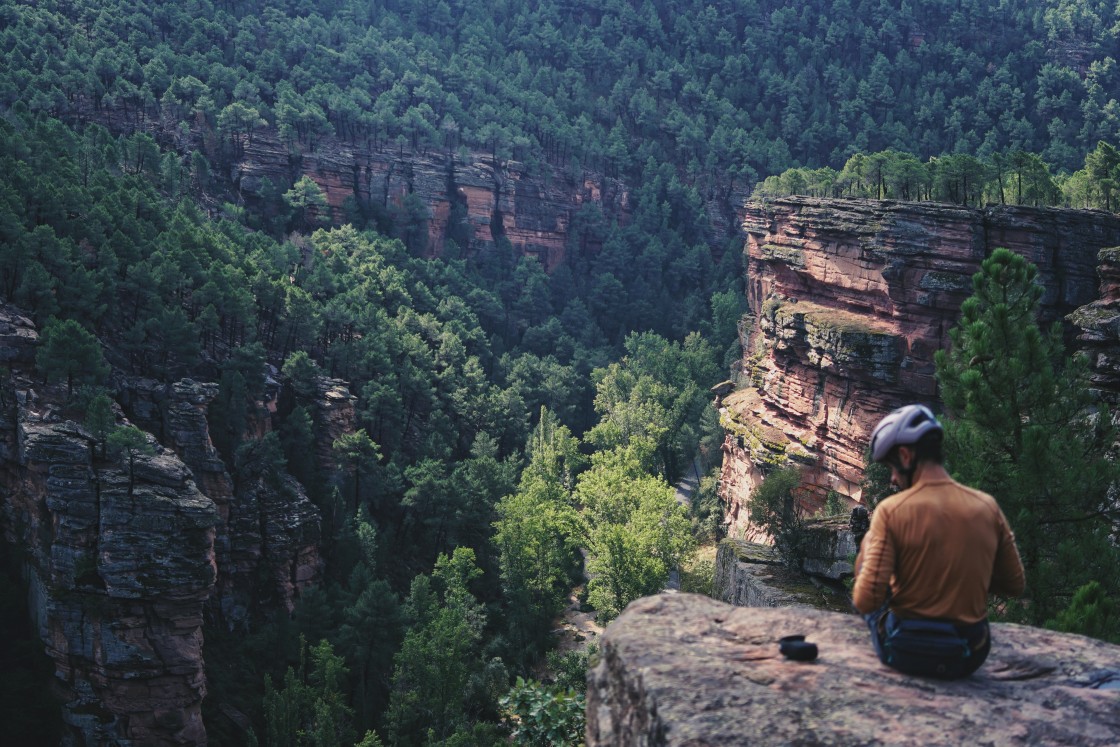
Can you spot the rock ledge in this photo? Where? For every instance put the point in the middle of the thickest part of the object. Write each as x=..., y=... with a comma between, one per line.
x=683, y=669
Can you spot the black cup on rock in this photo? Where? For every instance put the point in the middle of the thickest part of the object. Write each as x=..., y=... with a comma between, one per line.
x=794, y=647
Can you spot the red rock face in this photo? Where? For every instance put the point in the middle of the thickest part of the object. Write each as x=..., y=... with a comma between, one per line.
x=533, y=207
x=849, y=300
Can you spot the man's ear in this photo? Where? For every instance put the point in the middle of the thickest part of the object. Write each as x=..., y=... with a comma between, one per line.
x=906, y=457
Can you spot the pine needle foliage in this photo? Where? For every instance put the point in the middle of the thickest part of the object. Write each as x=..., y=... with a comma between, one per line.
x=1023, y=425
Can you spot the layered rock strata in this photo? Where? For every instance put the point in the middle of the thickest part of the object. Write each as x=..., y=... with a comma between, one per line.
x=333, y=413
x=269, y=528
x=748, y=574
x=119, y=559
x=849, y=300
x=125, y=554
x=533, y=209
x=1098, y=325
x=681, y=669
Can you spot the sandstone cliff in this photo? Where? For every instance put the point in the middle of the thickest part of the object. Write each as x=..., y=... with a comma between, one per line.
x=752, y=575
x=118, y=555
x=683, y=669
x=531, y=206
x=849, y=300
x=1098, y=326
x=531, y=209
x=268, y=528
x=125, y=555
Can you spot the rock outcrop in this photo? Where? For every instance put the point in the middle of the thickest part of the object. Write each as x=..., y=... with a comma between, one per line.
x=119, y=559
x=531, y=206
x=533, y=209
x=333, y=414
x=125, y=554
x=751, y=575
x=681, y=669
x=269, y=529
x=1098, y=326
x=849, y=300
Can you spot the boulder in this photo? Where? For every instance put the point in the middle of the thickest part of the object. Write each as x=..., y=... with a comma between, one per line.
x=682, y=669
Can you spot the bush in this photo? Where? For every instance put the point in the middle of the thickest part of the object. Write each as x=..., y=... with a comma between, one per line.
x=543, y=715
x=1091, y=613
x=570, y=669
x=774, y=507
x=707, y=509
x=698, y=575
x=833, y=505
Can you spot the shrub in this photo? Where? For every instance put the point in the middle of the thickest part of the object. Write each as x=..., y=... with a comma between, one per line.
x=543, y=715
x=774, y=506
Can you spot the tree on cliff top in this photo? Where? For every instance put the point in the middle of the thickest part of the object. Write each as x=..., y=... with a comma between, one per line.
x=67, y=349
x=1022, y=426
x=309, y=202
x=130, y=441
x=774, y=505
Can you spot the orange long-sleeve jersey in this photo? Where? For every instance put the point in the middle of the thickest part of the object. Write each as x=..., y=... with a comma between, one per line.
x=939, y=548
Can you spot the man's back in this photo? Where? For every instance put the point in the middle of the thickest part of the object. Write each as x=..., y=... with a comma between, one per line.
x=946, y=547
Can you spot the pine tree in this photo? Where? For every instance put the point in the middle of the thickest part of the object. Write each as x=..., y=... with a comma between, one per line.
x=1022, y=426
x=68, y=350
x=131, y=442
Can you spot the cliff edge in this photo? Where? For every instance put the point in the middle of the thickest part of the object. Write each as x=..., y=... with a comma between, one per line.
x=681, y=669
x=849, y=300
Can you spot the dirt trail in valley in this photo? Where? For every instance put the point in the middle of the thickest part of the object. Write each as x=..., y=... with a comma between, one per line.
x=575, y=629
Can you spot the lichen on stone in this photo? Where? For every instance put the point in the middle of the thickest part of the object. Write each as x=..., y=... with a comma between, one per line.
x=1094, y=316
x=1109, y=254
x=791, y=255
x=935, y=280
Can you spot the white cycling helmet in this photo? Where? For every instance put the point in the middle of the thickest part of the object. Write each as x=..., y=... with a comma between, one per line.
x=903, y=427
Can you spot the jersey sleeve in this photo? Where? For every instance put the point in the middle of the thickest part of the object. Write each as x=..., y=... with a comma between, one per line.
x=874, y=566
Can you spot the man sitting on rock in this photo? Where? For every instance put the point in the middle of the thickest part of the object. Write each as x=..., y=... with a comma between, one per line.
x=933, y=553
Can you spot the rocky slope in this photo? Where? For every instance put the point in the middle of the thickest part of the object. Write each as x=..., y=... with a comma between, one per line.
x=681, y=669
x=126, y=554
x=849, y=300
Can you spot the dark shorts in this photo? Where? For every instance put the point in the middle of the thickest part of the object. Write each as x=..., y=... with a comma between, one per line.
x=929, y=648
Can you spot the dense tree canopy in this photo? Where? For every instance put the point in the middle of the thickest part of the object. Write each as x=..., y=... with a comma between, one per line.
x=468, y=422
x=726, y=91
x=505, y=418
x=1016, y=178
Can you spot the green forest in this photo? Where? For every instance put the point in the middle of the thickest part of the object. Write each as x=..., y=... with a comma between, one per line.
x=515, y=427
x=727, y=92
x=456, y=512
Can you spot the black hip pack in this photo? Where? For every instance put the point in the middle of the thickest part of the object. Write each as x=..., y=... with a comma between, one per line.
x=930, y=648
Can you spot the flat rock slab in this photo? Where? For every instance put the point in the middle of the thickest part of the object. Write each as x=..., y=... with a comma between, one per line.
x=684, y=669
